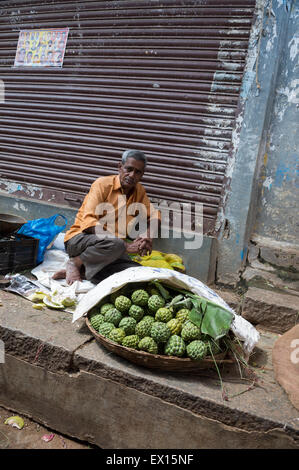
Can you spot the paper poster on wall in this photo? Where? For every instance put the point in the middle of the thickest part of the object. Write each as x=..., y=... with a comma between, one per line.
x=41, y=48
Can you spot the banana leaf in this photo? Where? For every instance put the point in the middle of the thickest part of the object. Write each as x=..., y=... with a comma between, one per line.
x=216, y=321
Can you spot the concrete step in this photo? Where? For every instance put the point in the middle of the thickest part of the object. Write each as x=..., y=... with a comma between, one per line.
x=277, y=312
x=58, y=374
x=264, y=276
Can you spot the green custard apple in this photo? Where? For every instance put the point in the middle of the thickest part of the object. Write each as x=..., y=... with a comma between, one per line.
x=160, y=332
x=155, y=302
x=163, y=314
x=105, y=328
x=116, y=294
x=136, y=312
x=96, y=320
x=197, y=350
x=182, y=315
x=113, y=316
x=175, y=346
x=152, y=290
x=122, y=303
x=117, y=335
x=128, y=324
x=143, y=328
x=148, y=344
x=131, y=341
x=140, y=297
x=105, y=307
x=190, y=332
x=175, y=326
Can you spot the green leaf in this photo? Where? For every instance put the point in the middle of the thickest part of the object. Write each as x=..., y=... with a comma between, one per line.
x=175, y=300
x=195, y=316
x=203, y=305
x=216, y=321
x=186, y=303
x=164, y=292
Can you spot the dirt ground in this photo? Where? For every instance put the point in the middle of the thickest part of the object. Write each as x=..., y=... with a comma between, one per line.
x=31, y=435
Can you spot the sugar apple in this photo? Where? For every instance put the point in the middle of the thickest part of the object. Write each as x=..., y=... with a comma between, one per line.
x=160, y=332
x=96, y=320
x=148, y=344
x=128, y=324
x=152, y=290
x=190, y=332
x=131, y=341
x=140, y=297
x=136, y=312
x=105, y=307
x=175, y=326
x=117, y=335
x=155, y=302
x=143, y=328
x=122, y=303
x=105, y=328
x=113, y=316
x=175, y=346
x=163, y=314
x=182, y=315
x=197, y=350
x=116, y=294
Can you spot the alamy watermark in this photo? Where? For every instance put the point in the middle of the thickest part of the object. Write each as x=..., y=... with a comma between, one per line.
x=2, y=352
x=178, y=220
x=295, y=353
x=2, y=92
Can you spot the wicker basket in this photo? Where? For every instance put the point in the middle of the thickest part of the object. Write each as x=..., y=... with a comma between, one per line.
x=155, y=361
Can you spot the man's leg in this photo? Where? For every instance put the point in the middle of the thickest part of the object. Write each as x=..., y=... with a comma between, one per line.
x=93, y=253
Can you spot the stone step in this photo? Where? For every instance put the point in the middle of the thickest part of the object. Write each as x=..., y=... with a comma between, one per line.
x=262, y=275
x=230, y=297
x=273, y=311
x=55, y=372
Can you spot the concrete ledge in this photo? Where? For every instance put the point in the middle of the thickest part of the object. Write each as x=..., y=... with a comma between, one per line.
x=271, y=310
x=56, y=373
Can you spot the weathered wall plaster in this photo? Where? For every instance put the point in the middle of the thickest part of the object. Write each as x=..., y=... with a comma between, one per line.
x=235, y=223
x=277, y=209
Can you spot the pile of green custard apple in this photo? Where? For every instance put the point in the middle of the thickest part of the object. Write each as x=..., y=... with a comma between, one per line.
x=142, y=319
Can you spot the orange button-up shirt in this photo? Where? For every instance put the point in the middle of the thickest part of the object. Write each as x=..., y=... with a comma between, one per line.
x=106, y=200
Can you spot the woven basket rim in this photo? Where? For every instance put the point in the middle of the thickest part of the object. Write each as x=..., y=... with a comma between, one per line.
x=154, y=360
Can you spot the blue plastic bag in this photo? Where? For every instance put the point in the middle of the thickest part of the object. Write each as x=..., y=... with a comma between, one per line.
x=45, y=230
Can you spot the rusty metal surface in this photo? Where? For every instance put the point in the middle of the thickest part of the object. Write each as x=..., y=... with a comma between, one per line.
x=160, y=76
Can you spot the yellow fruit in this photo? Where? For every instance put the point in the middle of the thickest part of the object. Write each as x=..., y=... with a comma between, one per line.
x=38, y=306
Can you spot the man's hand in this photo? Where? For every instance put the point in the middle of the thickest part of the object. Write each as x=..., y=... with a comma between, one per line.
x=145, y=246
x=142, y=246
x=132, y=247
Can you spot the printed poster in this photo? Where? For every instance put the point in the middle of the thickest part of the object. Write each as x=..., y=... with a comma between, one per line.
x=41, y=48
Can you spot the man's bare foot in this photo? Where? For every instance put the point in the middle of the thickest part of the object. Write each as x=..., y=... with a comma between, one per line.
x=73, y=270
x=59, y=274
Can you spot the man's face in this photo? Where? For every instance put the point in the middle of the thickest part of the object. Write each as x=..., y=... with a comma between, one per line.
x=130, y=173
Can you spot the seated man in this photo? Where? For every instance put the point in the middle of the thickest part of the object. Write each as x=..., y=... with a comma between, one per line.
x=93, y=249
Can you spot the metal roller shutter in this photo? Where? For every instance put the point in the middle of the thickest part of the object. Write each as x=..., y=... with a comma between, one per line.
x=159, y=76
